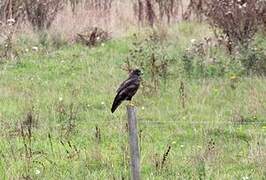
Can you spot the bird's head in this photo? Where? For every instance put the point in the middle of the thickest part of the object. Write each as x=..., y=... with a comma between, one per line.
x=136, y=72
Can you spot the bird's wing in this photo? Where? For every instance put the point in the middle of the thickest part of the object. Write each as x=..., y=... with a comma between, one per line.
x=124, y=84
x=128, y=91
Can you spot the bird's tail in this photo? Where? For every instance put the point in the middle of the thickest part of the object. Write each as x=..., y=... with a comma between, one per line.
x=116, y=103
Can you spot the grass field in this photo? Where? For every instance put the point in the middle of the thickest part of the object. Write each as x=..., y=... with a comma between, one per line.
x=56, y=122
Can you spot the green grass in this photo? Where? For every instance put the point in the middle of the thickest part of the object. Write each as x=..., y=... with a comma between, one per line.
x=220, y=134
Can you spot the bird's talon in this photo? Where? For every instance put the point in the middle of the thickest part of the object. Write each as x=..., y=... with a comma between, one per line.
x=131, y=104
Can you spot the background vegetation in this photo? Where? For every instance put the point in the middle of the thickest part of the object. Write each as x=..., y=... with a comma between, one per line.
x=201, y=105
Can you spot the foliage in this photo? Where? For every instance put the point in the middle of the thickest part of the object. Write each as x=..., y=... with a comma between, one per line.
x=92, y=36
x=238, y=20
x=12, y=9
x=254, y=58
x=151, y=56
x=151, y=12
x=203, y=59
x=42, y=13
x=195, y=10
x=7, y=46
x=63, y=98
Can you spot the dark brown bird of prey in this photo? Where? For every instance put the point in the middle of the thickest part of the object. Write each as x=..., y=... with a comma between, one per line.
x=127, y=89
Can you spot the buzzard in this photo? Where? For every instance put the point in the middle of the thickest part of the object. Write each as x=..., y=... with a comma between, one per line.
x=127, y=89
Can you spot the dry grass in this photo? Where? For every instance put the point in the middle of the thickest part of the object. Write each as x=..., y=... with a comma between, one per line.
x=118, y=21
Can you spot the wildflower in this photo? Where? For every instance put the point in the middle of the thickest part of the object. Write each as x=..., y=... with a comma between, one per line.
x=173, y=142
x=245, y=178
x=37, y=171
x=233, y=77
x=228, y=13
x=34, y=48
x=181, y=145
x=11, y=21
x=102, y=103
x=193, y=41
x=215, y=90
x=142, y=108
x=60, y=99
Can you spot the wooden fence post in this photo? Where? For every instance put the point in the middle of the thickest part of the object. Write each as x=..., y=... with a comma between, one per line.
x=133, y=141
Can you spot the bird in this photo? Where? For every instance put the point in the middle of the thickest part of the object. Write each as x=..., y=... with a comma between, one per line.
x=127, y=89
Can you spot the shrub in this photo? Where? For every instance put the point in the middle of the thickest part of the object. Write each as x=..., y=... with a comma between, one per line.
x=151, y=56
x=254, y=58
x=7, y=47
x=11, y=9
x=42, y=13
x=238, y=20
x=92, y=36
x=204, y=60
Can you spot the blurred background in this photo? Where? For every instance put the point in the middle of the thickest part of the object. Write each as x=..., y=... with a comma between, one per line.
x=201, y=106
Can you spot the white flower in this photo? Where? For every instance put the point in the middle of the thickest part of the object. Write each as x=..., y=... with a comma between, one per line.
x=102, y=103
x=60, y=99
x=11, y=21
x=193, y=41
x=142, y=108
x=181, y=145
x=245, y=178
x=37, y=171
x=102, y=44
x=34, y=48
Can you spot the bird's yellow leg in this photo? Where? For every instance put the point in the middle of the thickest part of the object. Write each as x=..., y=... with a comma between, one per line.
x=131, y=104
